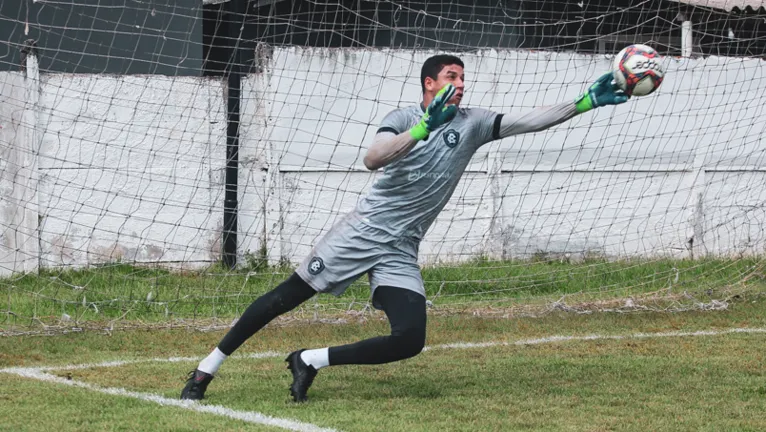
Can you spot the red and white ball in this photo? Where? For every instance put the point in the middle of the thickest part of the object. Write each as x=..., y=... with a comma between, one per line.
x=637, y=70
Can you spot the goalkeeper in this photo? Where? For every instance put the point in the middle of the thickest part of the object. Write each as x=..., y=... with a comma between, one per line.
x=424, y=148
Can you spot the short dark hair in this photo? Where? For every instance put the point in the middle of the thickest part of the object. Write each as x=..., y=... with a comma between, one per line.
x=433, y=65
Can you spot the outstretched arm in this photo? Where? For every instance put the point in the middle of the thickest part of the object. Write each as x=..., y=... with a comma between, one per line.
x=602, y=92
x=536, y=120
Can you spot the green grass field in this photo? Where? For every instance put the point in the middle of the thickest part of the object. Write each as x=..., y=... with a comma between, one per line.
x=121, y=293
x=671, y=383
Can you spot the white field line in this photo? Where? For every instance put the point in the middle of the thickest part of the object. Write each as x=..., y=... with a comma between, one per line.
x=456, y=345
x=115, y=363
x=549, y=339
x=40, y=373
x=246, y=416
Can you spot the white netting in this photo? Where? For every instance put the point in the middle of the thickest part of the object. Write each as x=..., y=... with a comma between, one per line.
x=113, y=150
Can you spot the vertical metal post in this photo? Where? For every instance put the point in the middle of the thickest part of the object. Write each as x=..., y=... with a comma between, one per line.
x=235, y=16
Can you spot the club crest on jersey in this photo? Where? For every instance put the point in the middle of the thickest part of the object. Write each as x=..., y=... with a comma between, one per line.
x=451, y=138
x=316, y=265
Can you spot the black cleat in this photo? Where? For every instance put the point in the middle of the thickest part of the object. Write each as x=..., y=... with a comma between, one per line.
x=196, y=385
x=303, y=376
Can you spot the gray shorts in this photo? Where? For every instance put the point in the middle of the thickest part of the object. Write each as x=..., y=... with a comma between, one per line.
x=352, y=248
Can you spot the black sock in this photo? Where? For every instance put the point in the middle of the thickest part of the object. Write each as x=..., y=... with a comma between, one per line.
x=406, y=311
x=284, y=298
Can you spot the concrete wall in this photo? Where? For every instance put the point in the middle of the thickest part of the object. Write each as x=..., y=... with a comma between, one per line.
x=131, y=168
x=678, y=173
x=19, y=247
x=100, y=168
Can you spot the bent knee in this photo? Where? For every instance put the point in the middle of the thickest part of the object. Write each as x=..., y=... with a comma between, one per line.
x=409, y=342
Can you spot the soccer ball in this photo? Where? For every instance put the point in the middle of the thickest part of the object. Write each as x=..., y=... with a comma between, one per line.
x=637, y=70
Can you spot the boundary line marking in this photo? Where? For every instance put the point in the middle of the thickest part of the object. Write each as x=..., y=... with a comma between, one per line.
x=247, y=416
x=117, y=363
x=455, y=345
x=550, y=339
x=41, y=373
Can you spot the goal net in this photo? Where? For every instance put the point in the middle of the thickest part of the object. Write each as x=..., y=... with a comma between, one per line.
x=115, y=124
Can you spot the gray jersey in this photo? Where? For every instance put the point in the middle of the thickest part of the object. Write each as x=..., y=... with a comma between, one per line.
x=381, y=237
x=412, y=191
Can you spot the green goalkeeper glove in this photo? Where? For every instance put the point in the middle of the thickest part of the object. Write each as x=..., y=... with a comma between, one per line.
x=603, y=92
x=437, y=114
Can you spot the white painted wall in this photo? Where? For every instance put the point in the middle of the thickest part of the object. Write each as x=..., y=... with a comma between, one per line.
x=131, y=167
x=619, y=181
x=18, y=171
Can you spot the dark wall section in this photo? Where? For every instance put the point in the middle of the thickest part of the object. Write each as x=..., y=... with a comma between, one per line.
x=457, y=25
x=107, y=36
x=185, y=38
x=600, y=26
x=454, y=25
x=12, y=32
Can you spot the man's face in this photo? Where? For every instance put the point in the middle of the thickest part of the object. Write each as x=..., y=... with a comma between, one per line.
x=451, y=74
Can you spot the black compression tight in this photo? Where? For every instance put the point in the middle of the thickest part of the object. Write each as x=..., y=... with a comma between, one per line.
x=284, y=298
x=406, y=311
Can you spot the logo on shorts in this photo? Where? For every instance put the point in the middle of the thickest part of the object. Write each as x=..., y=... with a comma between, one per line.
x=451, y=138
x=316, y=266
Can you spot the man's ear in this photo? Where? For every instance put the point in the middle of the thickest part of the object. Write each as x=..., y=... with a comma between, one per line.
x=429, y=82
